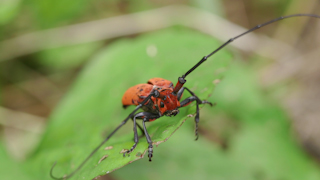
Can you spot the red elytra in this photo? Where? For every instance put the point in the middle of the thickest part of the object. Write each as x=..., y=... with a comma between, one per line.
x=159, y=98
x=136, y=94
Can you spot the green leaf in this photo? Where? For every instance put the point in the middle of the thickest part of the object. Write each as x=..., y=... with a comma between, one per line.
x=51, y=13
x=183, y=158
x=92, y=108
x=67, y=57
x=8, y=10
x=11, y=169
x=264, y=141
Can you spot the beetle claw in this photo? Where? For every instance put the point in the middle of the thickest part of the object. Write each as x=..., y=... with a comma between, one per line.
x=150, y=151
x=127, y=152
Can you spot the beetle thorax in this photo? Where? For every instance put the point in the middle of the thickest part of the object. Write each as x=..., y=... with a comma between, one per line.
x=168, y=104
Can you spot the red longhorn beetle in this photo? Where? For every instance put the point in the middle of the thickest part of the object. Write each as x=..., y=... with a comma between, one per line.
x=159, y=97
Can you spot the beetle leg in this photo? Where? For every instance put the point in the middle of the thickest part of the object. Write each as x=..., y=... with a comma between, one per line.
x=145, y=116
x=136, y=137
x=141, y=129
x=188, y=101
x=150, y=147
x=179, y=94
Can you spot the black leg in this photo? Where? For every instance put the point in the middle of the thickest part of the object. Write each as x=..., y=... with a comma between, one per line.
x=179, y=94
x=141, y=129
x=196, y=119
x=145, y=116
x=150, y=147
x=192, y=98
x=188, y=101
x=136, y=137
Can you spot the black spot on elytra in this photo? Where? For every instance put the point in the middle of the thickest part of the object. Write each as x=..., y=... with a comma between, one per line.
x=132, y=101
x=141, y=90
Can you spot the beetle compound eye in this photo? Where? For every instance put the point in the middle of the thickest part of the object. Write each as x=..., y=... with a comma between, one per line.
x=161, y=104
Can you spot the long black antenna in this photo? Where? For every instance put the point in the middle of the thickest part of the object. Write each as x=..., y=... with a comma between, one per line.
x=236, y=37
x=94, y=151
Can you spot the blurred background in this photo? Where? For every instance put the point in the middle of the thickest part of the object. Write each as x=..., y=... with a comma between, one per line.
x=45, y=44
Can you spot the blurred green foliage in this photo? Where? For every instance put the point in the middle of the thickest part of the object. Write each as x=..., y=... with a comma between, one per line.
x=253, y=132
x=64, y=58
x=11, y=169
x=8, y=10
x=51, y=13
